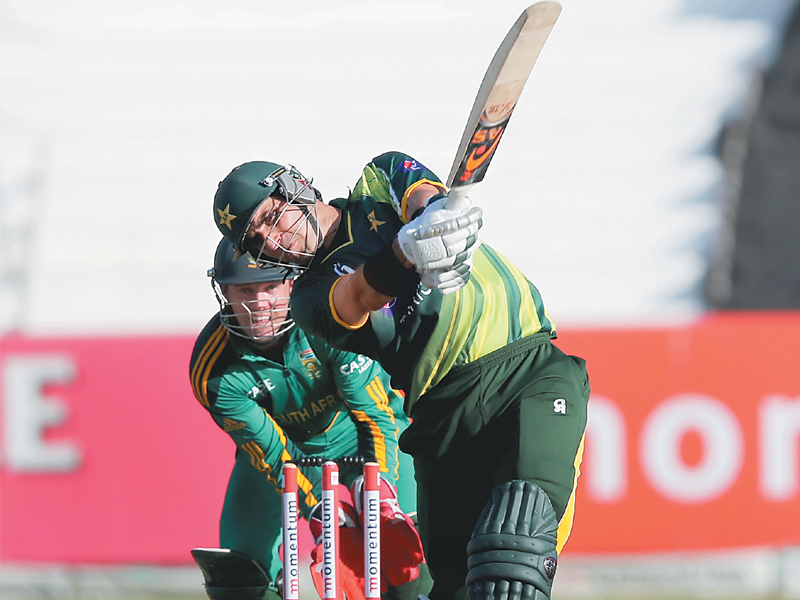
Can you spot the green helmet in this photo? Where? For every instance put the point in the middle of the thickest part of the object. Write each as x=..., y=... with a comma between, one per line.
x=231, y=270
x=247, y=186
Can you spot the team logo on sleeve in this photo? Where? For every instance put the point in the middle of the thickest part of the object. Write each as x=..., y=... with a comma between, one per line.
x=232, y=425
x=342, y=269
x=409, y=165
x=356, y=367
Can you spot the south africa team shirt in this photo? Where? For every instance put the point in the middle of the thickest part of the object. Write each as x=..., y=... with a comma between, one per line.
x=314, y=402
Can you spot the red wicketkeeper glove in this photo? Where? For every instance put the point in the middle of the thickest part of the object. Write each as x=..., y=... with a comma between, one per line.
x=351, y=551
x=401, y=546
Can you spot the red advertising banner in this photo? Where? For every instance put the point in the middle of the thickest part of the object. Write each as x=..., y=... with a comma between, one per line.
x=693, y=443
x=693, y=436
x=106, y=455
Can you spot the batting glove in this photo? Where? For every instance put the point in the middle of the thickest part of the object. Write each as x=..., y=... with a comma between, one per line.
x=441, y=238
x=448, y=281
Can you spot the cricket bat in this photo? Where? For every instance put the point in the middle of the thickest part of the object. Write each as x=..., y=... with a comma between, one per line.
x=497, y=97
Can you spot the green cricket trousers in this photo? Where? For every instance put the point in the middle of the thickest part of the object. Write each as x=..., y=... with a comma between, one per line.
x=517, y=413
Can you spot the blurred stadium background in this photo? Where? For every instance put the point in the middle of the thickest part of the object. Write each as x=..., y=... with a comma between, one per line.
x=649, y=185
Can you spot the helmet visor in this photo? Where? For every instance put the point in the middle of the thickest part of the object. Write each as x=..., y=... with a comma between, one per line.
x=283, y=230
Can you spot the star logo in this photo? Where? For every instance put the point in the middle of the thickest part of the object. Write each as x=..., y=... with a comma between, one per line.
x=225, y=216
x=374, y=221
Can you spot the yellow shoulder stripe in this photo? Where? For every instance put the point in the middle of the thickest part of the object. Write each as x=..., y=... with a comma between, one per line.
x=205, y=362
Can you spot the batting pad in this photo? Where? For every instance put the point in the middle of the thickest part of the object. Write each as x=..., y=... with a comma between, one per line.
x=512, y=554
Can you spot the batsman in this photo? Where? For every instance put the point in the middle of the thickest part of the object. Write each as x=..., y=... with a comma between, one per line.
x=498, y=410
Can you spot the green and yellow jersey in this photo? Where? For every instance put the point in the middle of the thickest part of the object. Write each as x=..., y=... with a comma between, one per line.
x=421, y=334
x=311, y=400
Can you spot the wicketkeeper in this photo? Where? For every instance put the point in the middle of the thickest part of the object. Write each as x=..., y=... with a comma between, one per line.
x=283, y=395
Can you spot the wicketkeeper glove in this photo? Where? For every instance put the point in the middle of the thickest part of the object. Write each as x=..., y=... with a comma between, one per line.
x=348, y=517
x=440, y=238
x=351, y=551
x=401, y=546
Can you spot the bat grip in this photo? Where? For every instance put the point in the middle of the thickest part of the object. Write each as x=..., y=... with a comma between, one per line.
x=457, y=197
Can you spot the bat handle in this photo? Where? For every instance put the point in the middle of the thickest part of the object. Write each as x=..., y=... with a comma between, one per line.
x=457, y=197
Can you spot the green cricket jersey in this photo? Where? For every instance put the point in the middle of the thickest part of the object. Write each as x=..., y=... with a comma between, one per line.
x=421, y=334
x=312, y=401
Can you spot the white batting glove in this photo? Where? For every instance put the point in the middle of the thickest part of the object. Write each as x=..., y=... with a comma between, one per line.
x=448, y=281
x=441, y=238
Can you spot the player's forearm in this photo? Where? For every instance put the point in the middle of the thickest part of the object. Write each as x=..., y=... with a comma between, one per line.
x=354, y=298
x=382, y=278
x=355, y=295
x=257, y=433
x=419, y=198
x=377, y=426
